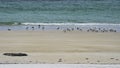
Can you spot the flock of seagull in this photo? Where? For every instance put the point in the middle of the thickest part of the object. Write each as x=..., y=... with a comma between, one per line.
x=95, y=29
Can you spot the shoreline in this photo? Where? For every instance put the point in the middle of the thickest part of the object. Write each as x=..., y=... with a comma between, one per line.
x=65, y=28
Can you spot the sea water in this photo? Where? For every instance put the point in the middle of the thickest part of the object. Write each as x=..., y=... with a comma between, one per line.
x=60, y=12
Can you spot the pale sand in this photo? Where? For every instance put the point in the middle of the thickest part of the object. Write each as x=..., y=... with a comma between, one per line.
x=70, y=47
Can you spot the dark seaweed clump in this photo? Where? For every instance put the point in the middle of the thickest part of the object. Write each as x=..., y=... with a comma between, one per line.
x=15, y=54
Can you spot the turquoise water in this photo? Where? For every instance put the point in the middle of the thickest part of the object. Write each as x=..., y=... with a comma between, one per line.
x=59, y=11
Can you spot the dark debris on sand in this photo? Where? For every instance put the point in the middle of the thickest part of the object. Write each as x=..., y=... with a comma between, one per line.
x=15, y=54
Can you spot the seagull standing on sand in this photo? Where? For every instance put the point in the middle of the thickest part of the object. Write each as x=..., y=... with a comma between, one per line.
x=32, y=28
x=27, y=28
x=38, y=26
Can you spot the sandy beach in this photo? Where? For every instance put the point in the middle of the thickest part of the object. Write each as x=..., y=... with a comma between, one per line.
x=57, y=47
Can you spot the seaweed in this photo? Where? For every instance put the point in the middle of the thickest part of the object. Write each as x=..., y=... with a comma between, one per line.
x=15, y=54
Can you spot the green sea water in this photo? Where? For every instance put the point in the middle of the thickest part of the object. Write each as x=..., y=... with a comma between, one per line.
x=59, y=11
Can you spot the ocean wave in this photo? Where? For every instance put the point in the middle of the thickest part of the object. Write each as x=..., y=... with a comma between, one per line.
x=69, y=24
x=66, y=23
x=10, y=23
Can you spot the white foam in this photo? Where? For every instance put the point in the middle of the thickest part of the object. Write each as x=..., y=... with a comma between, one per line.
x=69, y=24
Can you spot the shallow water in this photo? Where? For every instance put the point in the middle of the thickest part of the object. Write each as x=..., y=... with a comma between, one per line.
x=61, y=27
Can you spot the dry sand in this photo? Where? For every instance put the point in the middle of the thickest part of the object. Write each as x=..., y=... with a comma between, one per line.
x=59, y=47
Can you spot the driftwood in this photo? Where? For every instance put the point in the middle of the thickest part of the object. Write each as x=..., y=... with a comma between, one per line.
x=15, y=54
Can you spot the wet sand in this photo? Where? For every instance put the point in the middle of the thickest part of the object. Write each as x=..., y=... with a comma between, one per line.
x=58, y=47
